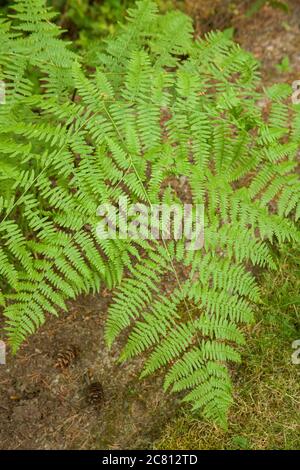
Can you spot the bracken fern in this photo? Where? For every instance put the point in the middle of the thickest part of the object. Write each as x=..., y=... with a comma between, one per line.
x=158, y=107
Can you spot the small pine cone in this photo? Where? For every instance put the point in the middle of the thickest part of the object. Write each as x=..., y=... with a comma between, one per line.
x=65, y=357
x=94, y=393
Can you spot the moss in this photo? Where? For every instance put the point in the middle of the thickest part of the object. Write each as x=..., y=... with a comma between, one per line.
x=266, y=414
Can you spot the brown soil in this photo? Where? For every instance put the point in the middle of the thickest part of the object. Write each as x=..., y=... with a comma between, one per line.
x=270, y=34
x=42, y=407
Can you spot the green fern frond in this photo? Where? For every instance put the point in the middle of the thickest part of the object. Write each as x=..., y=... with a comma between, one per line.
x=161, y=114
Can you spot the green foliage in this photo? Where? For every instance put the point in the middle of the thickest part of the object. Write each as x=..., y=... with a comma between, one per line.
x=284, y=66
x=88, y=22
x=159, y=106
x=267, y=382
x=258, y=4
x=91, y=17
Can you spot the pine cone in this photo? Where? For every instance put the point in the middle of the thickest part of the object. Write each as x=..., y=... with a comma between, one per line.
x=66, y=356
x=94, y=393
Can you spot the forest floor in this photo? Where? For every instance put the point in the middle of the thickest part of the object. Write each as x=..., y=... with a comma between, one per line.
x=266, y=412
x=42, y=407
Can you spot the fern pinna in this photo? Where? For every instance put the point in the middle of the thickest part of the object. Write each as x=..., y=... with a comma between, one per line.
x=159, y=107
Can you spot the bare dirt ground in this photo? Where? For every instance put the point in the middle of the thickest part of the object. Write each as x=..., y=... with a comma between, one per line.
x=270, y=33
x=42, y=407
